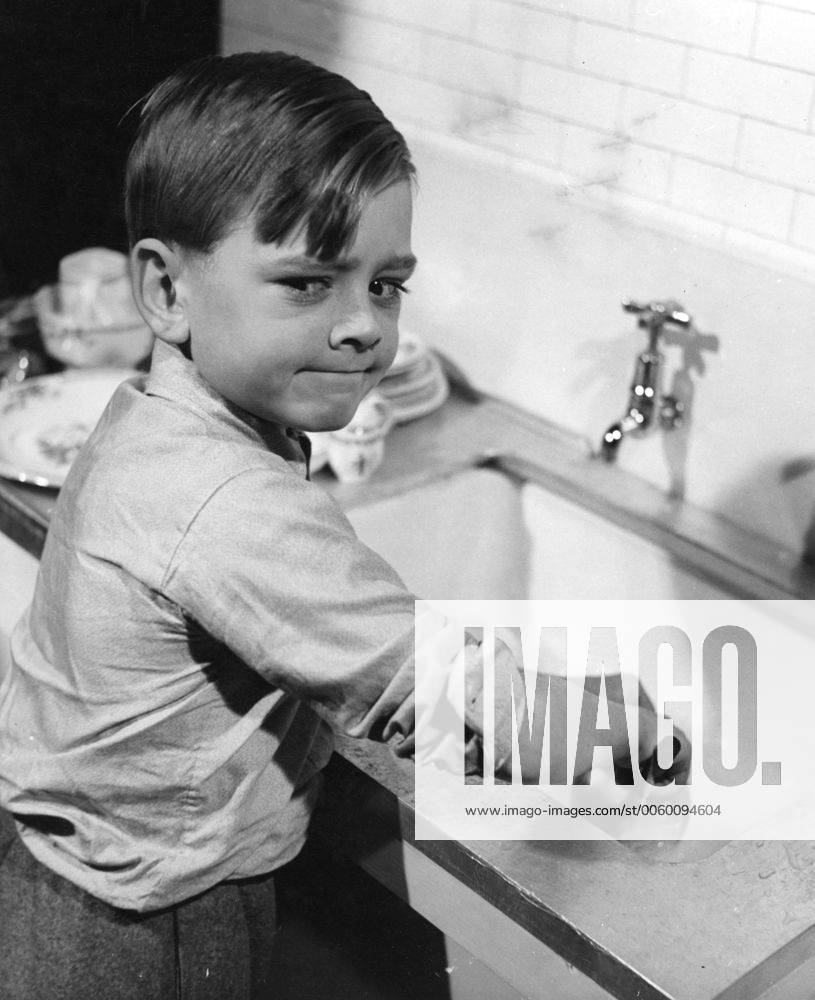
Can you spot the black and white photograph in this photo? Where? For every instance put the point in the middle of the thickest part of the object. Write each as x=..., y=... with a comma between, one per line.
x=407, y=499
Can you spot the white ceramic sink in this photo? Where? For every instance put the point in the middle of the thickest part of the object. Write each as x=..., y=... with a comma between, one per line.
x=507, y=531
x=491, y=533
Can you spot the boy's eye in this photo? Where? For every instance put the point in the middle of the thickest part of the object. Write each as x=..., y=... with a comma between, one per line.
x=387, y=289
x=306, y=288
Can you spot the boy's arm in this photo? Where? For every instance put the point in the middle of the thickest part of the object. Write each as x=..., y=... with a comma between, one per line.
x=292, y=591
x=271, y=567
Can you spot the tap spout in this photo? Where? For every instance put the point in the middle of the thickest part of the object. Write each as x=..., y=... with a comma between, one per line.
x=639, y=414
x=613, y=437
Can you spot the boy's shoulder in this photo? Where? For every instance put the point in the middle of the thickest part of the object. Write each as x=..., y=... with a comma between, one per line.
x=153, y=462
x=154, y=441
x=172, y=421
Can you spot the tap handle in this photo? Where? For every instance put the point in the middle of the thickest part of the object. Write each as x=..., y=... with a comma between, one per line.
x=659, y=312
x=654, y=315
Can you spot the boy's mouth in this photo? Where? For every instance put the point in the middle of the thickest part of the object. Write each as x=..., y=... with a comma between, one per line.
x=338, y=371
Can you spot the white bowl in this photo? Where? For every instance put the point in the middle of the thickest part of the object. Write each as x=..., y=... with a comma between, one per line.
x=122, y=345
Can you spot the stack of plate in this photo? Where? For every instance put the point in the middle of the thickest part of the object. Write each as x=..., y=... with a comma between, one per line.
x=415, y=384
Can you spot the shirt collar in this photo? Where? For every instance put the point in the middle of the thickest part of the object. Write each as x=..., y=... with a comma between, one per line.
x=174, y=377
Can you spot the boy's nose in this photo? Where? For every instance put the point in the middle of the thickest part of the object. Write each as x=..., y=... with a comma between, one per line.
x=358, y=327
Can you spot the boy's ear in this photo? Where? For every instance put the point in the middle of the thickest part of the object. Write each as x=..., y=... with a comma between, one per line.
x=154, y=268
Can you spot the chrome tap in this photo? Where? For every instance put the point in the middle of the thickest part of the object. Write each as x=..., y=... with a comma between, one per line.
x=646, y=400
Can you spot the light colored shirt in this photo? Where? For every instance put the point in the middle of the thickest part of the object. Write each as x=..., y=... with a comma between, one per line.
x=203, y=616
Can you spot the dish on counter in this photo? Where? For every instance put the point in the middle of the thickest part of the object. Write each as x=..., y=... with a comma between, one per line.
x=44, y=421
x=119, y=344
x=415, y=384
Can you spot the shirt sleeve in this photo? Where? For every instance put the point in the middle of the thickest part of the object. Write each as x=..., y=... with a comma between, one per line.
x=271, y=568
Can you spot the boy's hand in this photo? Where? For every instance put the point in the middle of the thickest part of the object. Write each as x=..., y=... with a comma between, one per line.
x=579, y=697
x=648, y=750
x=647, y=746
x=678, y=754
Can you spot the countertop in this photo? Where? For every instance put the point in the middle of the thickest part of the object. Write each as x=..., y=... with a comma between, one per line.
x=640, y=922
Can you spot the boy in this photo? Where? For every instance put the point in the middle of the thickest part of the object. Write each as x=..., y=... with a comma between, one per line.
x=204, y=615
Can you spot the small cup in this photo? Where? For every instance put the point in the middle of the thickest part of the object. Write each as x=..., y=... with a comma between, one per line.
x=94, y=288
x=357, y=450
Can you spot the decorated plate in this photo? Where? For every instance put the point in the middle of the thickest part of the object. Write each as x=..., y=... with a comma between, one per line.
x=44, y=422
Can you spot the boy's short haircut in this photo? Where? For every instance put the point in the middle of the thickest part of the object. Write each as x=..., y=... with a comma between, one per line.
x=259, y=132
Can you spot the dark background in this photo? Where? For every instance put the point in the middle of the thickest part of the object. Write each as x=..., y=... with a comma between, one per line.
x=69, y=72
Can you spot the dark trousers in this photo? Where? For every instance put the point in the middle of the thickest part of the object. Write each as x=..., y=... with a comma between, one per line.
x=57, y=942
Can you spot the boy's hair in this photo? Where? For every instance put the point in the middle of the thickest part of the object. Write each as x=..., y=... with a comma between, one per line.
x=263, y=132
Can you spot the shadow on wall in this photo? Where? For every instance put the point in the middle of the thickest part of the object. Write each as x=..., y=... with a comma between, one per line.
x=692, y=345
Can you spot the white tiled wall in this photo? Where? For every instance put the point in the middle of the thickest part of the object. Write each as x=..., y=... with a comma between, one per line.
x=572, y=153
x=684, y=83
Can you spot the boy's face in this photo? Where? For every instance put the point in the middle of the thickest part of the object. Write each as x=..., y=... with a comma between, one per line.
x=291, y=339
